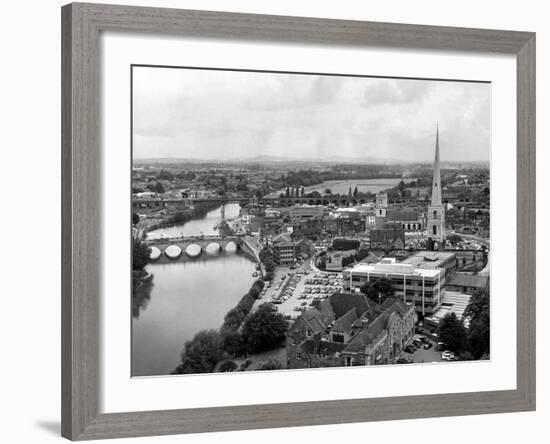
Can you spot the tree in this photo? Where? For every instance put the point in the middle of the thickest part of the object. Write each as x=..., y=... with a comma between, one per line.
x=245, y=304
x=256, y=289
x=478, y=310
x=271, y=364
x=478, y=305
x=328, y=191
x=228, y=366
x=379, y=290
x=355, y=192
x=201, y=354
x=135, y=218
x=264, y=329
x=159, y=188
x=452, y=333
x=165, y=175
x=453, y=238
x=401, y=186
x=233, y=319
x=479, y=336
x=232, y=343
x=140, y=252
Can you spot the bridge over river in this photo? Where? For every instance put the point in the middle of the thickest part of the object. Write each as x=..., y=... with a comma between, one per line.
x=182, y=247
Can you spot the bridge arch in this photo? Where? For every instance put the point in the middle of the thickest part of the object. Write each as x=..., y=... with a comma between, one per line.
x=173, y=251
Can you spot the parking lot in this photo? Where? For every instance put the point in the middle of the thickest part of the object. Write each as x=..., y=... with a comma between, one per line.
x=427, y=351
x=295, y=290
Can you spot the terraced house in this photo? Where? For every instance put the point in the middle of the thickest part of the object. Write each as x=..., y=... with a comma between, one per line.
x=349, y=329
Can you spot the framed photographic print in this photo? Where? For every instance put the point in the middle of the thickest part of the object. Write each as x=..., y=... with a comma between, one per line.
x=280, y=221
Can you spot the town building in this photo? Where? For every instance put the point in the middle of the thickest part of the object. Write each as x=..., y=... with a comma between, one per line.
x=349, y=329
x=408, y=220
x=301, y=213
x=436, y=210
x=387, y=239
x=422, y=287
x=284, y=249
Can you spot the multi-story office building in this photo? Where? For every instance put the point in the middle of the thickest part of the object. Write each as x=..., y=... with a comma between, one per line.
x=422, y=287
x=284, y=249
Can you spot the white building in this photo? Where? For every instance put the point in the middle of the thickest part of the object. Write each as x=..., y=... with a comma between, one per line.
x=423, y=287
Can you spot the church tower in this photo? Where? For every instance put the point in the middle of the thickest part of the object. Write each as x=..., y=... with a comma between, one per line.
x=381, y=203
x=436, y=211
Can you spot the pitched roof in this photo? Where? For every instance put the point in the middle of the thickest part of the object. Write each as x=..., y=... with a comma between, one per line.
x=345, y=322
x=391, y=305
x=469, y=280
x=315, y=319
x=341, y=303
x=367, y=336
x=379, y=325
x=282, y=238
x=401, y=215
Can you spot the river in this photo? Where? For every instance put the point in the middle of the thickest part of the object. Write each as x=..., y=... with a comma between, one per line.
x=205, y=226
x=186, y=297
x=343, y=186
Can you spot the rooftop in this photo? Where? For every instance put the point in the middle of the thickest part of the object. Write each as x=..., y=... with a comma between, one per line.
x=452, y=302
x=469, y=280
x=429, y=259
x=398, y=268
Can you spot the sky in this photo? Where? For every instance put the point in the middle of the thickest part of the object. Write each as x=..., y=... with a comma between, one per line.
x=228, y=115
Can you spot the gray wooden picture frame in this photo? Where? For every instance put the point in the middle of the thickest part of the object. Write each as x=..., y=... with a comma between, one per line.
x=81, y=174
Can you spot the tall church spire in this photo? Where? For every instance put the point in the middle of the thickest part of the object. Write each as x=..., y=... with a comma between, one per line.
x=436, y=211
x=436, y=184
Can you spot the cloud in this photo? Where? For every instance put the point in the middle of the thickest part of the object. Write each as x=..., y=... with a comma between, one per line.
x=395, y=92
x=228, y=114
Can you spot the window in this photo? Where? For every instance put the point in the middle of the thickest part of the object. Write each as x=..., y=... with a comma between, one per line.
x=434, y=229
x=338, y=337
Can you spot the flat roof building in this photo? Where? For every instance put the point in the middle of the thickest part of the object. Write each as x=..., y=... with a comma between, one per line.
x=434, y=259
x=422, y=287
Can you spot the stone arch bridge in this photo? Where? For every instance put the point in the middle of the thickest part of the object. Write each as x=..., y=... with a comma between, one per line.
x=192, y=247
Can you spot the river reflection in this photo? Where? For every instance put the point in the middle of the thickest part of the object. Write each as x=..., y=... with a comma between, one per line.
x=185, y=297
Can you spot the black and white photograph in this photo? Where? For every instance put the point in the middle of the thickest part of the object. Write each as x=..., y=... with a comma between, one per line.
x=286, y=221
